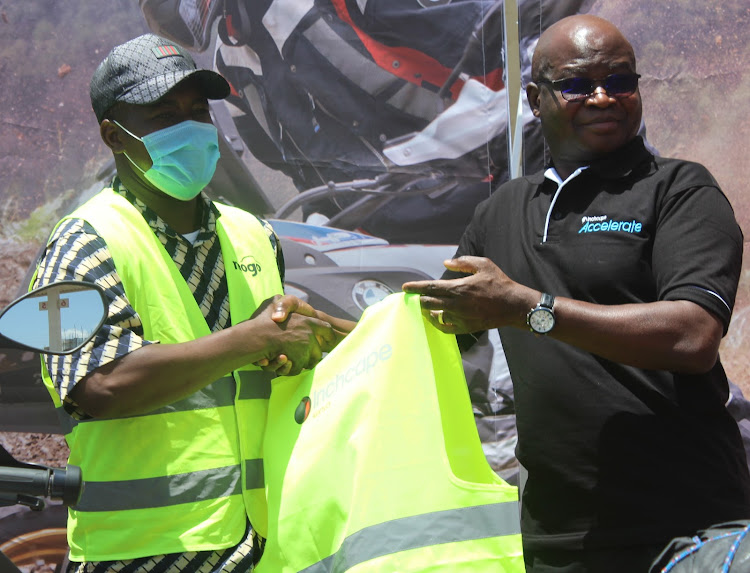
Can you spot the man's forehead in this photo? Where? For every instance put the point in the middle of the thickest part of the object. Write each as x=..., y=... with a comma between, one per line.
x=585, y=38
x=580, y=52
x=580, y=66
x=572, y=45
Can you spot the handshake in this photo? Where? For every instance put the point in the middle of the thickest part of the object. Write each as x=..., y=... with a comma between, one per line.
x=297, y=334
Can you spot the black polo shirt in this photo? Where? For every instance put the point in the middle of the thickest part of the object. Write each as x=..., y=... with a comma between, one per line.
x=618, y=455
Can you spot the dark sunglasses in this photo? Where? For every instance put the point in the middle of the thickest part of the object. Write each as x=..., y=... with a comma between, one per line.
x=579, y=89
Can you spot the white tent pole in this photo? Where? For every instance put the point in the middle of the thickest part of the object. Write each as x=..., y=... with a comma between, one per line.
x=513, y=87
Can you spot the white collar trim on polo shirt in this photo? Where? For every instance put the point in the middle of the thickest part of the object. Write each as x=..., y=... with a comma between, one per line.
x=552, y=174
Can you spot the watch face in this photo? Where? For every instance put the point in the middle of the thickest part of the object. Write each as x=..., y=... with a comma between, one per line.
x=541, y=320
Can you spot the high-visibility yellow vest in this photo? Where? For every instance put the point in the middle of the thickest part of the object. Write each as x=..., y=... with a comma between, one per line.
x=183, y=477
x=374, y=464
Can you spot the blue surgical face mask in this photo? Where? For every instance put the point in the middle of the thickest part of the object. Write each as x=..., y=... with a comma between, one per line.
x=183, y=157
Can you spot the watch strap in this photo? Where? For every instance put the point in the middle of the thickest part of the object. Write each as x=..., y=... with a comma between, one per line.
x=548, y=301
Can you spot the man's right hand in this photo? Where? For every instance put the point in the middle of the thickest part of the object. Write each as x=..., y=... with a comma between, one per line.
x=297, y=338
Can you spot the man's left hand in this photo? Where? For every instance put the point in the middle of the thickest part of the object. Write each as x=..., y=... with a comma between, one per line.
x=485, y=299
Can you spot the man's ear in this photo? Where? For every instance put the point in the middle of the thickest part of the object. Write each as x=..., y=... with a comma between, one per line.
x=533, y=97
x=111, y=135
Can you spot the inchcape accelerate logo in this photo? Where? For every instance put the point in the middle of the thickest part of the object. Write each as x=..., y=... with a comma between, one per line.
x=247, y=265
x=601, y=224
x=325, y=394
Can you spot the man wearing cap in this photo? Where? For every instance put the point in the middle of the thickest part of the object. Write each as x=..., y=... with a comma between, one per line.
x=164, y=410
x=611, y=276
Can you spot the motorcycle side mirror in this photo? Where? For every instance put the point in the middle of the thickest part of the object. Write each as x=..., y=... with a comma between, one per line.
x=55, y=319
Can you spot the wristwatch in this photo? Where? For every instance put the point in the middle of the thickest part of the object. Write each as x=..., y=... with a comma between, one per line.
x=541, y=318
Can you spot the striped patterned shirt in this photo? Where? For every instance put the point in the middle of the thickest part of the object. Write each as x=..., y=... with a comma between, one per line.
x=76, y=252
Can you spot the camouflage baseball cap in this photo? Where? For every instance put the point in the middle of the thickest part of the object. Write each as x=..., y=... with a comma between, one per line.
x=145, y=68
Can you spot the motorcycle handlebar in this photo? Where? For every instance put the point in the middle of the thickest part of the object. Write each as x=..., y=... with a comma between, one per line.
x=65, y=484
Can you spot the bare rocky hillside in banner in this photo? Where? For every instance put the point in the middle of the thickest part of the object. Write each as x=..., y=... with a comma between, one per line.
x=49, y=143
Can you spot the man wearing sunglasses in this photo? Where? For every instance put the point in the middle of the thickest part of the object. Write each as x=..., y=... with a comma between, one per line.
x=611, y=277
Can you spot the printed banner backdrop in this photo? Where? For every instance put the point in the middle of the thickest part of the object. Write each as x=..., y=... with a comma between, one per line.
x=366, y=130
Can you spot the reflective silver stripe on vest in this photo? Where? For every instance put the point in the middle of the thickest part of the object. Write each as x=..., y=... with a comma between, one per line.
x=254, y=476
x=216, y=395
x=160, y=491
x=463, y=524
x=255, y=384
